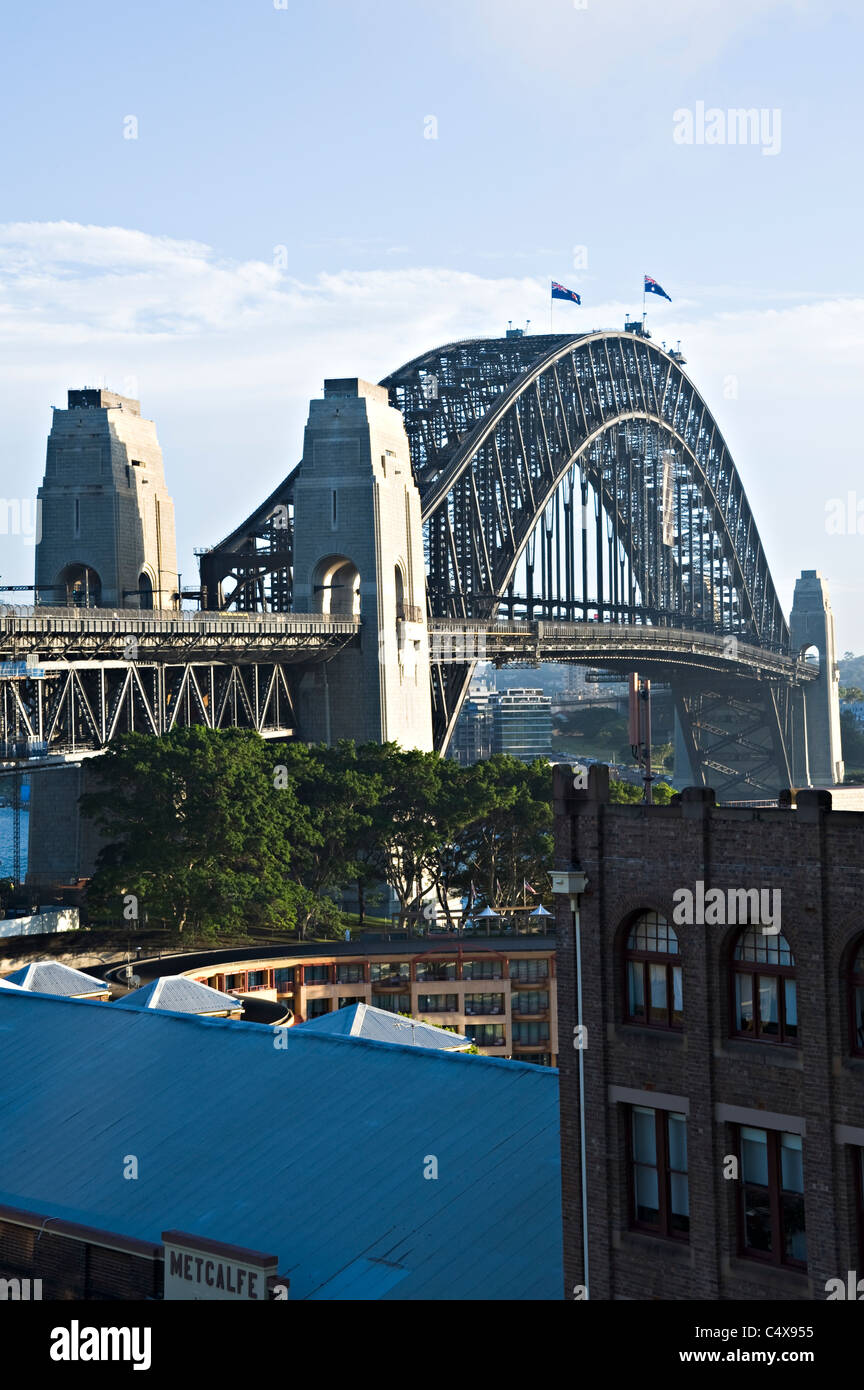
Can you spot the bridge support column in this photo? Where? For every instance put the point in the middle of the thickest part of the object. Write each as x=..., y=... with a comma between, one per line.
x=817, y=755
x=61, y=845
x=358, y=549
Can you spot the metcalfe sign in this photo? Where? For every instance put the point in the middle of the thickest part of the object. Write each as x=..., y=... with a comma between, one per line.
x=197, y=1269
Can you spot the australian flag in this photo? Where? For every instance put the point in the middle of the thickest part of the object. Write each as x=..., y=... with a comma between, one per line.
x=559, y=292
x=651, y=287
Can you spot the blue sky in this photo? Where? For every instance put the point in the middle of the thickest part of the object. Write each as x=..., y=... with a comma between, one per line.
x=158, y=263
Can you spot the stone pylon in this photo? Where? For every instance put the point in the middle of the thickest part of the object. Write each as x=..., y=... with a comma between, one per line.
x=107, y=521
x=817, y=755
x=358, y=552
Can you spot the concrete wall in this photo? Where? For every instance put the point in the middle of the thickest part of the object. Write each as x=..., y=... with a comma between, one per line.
x=42, y=923
x=62, y=845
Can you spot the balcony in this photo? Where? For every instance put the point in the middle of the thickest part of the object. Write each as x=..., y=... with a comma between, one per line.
x=409, y=613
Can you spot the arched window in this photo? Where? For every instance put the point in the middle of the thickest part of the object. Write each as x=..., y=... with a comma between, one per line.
x=765, y=1004
x=654, y=984
x=856, y=999
x=145, y=590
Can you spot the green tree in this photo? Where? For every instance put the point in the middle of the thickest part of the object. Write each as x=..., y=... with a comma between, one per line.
x=633, y=793
x=194, y=830
x=337, y=790
x=511, y=841
x=408, y=829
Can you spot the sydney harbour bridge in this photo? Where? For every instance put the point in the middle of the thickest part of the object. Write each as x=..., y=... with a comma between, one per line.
x=576, y=502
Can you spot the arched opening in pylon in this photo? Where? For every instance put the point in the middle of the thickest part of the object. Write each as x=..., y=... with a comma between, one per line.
x=336, y=587
x=78, y=586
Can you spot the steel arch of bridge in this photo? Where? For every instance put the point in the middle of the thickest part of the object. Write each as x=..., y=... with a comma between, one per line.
x=513, y=436
x=529, y=451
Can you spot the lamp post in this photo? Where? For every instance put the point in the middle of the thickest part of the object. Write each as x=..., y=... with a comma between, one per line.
x=571, y=883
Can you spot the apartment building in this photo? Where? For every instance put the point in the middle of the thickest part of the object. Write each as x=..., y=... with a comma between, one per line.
x=499, y=992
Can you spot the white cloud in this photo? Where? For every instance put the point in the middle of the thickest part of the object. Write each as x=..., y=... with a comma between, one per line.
x=587, y=40
x=225, y=356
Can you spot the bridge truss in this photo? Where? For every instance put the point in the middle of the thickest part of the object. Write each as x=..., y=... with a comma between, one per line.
x=577, y=480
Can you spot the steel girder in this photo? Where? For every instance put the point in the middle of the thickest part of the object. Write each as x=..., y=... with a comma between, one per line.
x=737, y=736
x=81, y=706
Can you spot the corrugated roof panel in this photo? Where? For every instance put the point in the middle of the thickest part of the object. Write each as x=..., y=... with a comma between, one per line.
x=365, y=1021
x=179, y=995
x=53, y=977
x=310, y=1145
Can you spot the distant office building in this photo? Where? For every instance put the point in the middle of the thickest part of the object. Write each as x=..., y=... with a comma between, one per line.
x=522, y=724
x=472, y=737
x=722, y=975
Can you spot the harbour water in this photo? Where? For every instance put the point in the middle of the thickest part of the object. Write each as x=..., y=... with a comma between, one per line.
x=6, y=838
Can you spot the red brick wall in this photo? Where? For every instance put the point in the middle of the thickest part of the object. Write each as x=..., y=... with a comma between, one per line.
x=72, y=1262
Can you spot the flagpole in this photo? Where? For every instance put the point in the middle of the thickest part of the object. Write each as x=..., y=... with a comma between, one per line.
x=643, y=304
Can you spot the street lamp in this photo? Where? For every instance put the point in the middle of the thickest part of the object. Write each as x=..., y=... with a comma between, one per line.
x=571, y=883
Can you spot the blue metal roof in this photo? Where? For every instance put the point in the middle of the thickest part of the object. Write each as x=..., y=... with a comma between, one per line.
x=365, y=1021
x=286, y=1140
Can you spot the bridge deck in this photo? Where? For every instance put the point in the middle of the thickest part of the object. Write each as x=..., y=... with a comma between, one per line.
x=103, y=634
x=610, y=644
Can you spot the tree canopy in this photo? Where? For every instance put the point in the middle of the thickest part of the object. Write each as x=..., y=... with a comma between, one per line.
x=225, y=831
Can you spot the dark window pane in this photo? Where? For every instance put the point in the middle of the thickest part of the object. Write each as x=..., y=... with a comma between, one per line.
x=754, y=1156
x=757, y=1219
x=791, y=997
x=744, y=1003
x=794, y=1236
x=792, y=1162
x=768, y=1020
x=644, y=1135
x=677, y=995
x=657, y=986
x=647, y=1198
x=679, y=1195
x=636, y=988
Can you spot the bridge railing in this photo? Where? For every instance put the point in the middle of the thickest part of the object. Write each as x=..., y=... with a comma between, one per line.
x=125, y=620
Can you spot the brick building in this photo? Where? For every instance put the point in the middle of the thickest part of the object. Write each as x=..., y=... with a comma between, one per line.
x=724, y=1066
